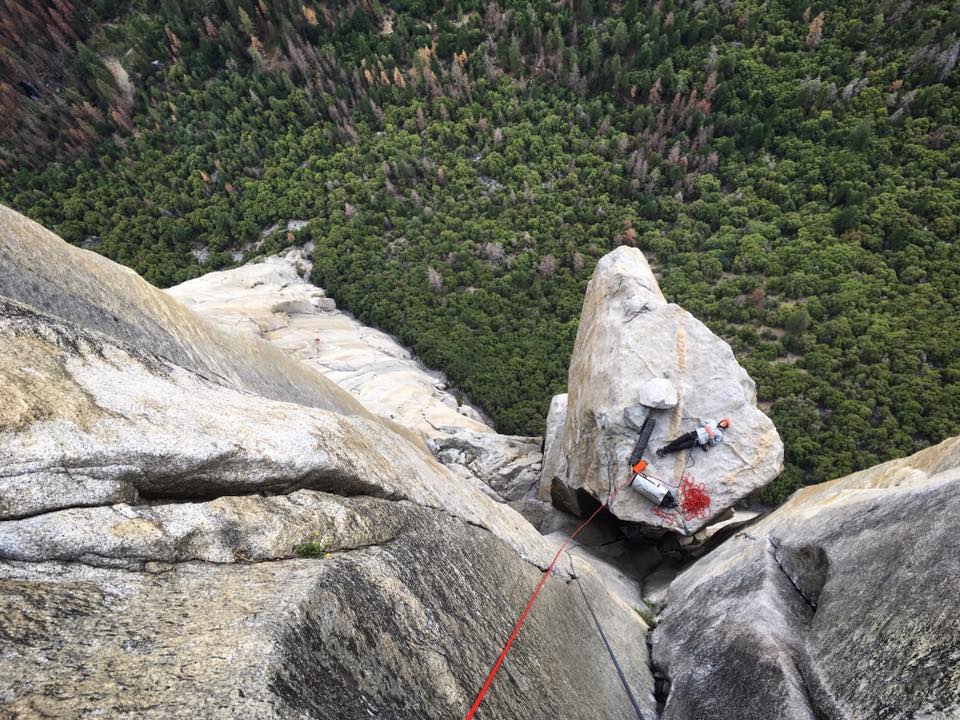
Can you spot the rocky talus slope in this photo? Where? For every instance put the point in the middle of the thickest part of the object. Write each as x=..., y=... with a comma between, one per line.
x=844, y=604
x=156, y=474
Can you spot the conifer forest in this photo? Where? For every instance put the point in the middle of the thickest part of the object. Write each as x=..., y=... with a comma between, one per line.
x=790, y=168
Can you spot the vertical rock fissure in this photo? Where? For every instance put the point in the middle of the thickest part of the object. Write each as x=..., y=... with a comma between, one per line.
x=661, y=680
x=774, y=553
x=805, y=568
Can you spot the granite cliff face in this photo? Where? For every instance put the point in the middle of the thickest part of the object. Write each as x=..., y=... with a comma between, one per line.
x=271, y=300
x=843, y=603
x=196, y=522
x=39, y=269
x=158, y=472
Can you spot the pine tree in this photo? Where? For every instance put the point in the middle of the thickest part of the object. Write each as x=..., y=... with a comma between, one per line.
x=620, y=37
x=514, y=57
x=554, y=38
x=593, y=57
x=245, y=23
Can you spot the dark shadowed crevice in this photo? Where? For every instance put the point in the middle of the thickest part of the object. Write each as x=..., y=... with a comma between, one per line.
x=661, y=681
x=205, y=489
x=806, y=566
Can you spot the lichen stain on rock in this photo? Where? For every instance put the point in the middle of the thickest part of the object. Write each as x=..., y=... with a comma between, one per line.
x=37, y=387
x=137, y=527
x=20, y=623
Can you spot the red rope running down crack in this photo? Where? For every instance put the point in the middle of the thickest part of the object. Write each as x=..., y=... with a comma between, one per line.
x=533, y=598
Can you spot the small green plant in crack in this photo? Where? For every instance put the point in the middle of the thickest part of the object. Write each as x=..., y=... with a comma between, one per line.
x=309, y=550
x=648, y=613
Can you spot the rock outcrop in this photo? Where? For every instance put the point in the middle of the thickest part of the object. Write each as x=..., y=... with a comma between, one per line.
x=271, y=300
x=403, y=628
x=119, y=426
x=632, y=348
x=158, y=476
x=554, y=461
x=39, y=269
x=843, y=603
x=509, y=464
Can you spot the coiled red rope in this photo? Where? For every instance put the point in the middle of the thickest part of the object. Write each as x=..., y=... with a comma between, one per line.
x=694, y=503
x=695, y=500
x=533, y=598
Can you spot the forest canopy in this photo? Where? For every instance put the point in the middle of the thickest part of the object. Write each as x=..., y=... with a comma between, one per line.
x=790, y=169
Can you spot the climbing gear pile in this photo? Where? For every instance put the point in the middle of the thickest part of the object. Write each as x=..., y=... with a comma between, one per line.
x=694, y=504
x=653, y=489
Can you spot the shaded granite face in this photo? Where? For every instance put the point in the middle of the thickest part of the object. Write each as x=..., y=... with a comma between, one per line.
x=630, y=338
x=508, y=464
x=844, y=603
x=404, y=627
x=554, y=461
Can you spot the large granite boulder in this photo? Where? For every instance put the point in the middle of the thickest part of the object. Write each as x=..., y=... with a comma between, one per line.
x=844, y=603
x=632, y=347
x=192, y=523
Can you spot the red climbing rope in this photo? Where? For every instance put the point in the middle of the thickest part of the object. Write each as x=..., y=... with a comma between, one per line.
x=694, y=503
x=533, y=598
